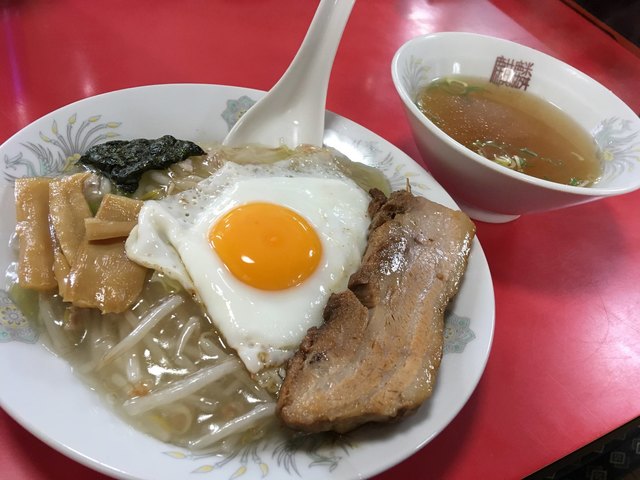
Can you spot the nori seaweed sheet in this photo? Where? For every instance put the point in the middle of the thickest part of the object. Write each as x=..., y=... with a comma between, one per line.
x=124, y=161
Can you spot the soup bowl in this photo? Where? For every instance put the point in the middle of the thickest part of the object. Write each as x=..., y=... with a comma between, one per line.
x=484, y=189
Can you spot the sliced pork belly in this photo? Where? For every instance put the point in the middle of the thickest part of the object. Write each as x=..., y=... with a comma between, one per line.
x=377, y=354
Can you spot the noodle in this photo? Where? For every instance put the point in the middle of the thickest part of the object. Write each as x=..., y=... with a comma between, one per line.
x=202, y=404
x=147, y=323
x=188, y=329
x=236, y=425
x=180, y=389
x=119, y=380
x=154, y=350
x=58, y=339
x=179, y=418
x=134, y=370
x=208, y=347
x=184, y=362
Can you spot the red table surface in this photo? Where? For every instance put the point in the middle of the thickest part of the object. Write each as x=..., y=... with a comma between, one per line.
x=565, y=364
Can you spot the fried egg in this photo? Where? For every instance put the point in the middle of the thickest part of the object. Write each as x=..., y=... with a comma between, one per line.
x=261, y=247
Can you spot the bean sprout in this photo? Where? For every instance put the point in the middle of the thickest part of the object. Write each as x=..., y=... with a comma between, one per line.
x=181, y=388
x=238, y=424
x=146, y=324
x=57, y=336
x=191, y=326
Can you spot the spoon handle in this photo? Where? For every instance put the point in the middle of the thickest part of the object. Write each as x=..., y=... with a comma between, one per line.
x=292, y=112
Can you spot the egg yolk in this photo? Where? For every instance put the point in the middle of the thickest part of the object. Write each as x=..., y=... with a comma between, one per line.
x=267, y=246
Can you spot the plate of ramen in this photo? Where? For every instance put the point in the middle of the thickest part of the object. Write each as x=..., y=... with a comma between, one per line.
x=134, y=366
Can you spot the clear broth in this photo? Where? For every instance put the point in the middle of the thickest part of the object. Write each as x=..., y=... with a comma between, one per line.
x=513, y=128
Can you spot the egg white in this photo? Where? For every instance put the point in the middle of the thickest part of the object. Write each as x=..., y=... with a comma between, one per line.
x=264, y=327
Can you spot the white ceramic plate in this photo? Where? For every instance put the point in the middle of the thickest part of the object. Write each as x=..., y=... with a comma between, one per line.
x=41, y=392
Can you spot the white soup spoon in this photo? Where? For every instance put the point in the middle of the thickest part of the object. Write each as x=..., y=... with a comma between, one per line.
x=292, y=112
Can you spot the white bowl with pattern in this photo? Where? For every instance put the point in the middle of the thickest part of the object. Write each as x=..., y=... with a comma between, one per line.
x=488, y=191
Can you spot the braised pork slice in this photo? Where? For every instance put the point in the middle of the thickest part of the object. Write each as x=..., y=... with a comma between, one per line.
x=376, y=356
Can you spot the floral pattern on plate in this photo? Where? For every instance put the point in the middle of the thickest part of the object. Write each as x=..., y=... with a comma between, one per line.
x=58, y=148
x=236, y=107
x=292, y=455
x=13, y=325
